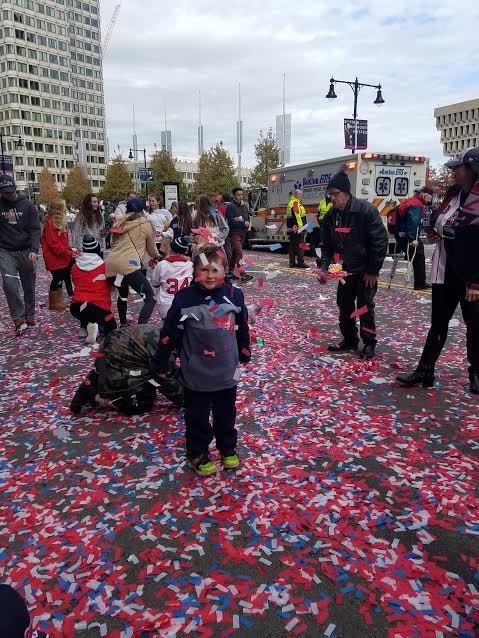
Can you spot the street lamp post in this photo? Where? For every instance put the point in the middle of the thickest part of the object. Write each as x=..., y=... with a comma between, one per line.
x=356, y=87
x=18, y=145
x=32, y=187
x=130, y=157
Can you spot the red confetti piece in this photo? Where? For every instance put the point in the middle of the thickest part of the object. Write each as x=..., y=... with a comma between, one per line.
x=337, y=258
x=208, y=353
x=109, y=317
x=359, y=312
x=246, y=352
x=54, y=382
x=345, y=231
x=260, y=282
x=304, y=246
x=213, y=308
x=96, y=355
x=165, y=340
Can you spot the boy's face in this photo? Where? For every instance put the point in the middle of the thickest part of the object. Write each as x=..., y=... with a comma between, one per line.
x=210, y=276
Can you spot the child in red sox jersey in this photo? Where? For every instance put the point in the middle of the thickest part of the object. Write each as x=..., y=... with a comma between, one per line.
x=172, y=274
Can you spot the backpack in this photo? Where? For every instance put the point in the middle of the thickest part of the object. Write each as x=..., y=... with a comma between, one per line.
x=397, y=221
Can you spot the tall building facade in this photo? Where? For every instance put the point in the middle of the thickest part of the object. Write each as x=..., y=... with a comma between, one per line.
x=51, y=89
x=459, y=126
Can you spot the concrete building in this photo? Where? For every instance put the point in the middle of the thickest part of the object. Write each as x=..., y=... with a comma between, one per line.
x=188, y=167
x=51, y=88
x=459, y=126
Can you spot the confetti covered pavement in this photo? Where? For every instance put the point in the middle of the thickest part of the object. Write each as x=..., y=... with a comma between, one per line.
x=354, y=513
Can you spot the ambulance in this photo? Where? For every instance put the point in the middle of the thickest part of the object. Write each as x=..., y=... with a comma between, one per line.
x=384, y=179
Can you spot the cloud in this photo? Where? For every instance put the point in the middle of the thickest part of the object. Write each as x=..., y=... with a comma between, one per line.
x=418, y=53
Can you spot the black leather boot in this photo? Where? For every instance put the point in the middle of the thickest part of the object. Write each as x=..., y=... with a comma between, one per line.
x=423, y=375
x=344, y=345
x=474, y=381
x=86, y=393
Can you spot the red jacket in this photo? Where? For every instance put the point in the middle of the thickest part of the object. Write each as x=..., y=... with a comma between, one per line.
x=56, y=251
x=91, y=284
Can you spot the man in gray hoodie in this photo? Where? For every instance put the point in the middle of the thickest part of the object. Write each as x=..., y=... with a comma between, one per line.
x=19, y=245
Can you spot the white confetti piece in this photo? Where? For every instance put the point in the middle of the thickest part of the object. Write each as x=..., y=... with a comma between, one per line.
x=292, y=623
x=135, y=373
x=329, y=630
x=83, y=306
x=100, y=277
x=154, y=383
x=118, y=280
x=204, y=259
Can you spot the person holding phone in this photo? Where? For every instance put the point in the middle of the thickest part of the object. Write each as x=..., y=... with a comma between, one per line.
x=455, y=271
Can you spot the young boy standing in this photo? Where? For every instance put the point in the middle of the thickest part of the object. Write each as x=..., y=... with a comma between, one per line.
x=208, y=325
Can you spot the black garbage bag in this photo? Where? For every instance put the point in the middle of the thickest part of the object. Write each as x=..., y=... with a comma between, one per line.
x=124, y=373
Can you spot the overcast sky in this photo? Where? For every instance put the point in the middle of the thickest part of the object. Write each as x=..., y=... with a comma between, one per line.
x=425, y=54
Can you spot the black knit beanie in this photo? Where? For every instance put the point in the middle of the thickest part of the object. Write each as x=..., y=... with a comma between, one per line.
x=341, y=182
x=14, y=617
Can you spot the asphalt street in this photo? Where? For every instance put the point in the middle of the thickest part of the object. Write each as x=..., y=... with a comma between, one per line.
x=354, y=513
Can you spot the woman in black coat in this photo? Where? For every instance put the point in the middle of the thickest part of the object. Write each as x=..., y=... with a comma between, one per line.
x=455, y=271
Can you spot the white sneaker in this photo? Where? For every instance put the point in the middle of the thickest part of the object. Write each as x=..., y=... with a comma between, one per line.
x=82, y=333
x=92, y=333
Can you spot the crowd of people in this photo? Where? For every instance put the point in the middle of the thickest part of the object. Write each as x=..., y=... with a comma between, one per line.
x=191, y=266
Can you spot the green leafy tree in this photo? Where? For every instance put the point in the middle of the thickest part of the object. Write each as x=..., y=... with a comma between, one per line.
x=78, y=185
x=266, y=151
x=164, y=170
x=216, y=172
x=48, y=187
x=117, y=180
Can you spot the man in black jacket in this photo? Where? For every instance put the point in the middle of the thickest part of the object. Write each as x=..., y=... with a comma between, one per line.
x=238, y=218
x=354, y=233
x=19, y=245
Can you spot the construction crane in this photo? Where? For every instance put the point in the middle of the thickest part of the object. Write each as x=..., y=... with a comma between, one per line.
x=104, y=44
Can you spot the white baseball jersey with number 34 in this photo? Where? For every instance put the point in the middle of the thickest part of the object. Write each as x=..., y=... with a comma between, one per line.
x=170, y=275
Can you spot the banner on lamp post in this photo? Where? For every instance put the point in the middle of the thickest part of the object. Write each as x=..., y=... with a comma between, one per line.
x=6, y=164
x=146, y=176
x=356, y=130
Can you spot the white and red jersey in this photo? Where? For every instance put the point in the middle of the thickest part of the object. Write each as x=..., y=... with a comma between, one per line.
x=170, y=275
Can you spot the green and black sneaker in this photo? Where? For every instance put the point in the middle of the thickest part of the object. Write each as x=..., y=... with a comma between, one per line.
x=230, y=460
x=202, y=465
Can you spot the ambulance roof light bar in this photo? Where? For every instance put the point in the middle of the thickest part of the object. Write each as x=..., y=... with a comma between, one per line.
x=387, y=156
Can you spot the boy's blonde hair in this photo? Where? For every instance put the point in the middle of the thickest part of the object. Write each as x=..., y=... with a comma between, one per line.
x=57, y=212
x=212, y=253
